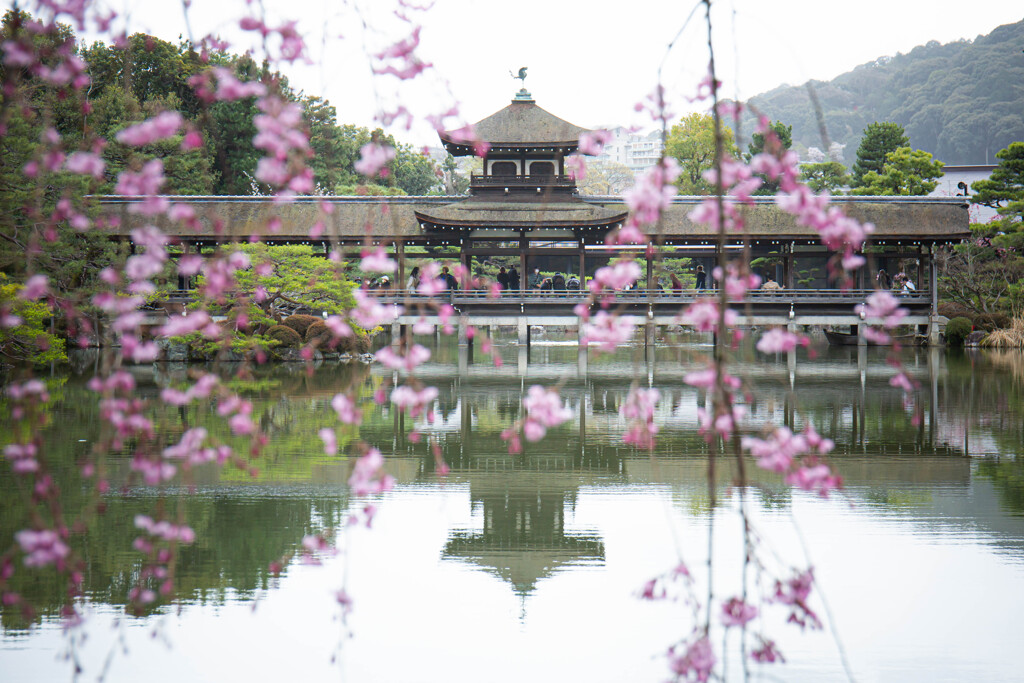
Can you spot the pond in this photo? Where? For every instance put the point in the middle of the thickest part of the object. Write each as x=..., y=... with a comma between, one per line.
x=529, y=566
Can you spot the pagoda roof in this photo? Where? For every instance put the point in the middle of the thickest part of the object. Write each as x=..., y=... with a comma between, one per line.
x=522, y=124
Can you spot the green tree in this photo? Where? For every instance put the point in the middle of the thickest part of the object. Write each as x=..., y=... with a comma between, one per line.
x=879, y=140
x=290, y=275
x=777, y=138
x=775, y=141
x=1004, y=189
x=691, y=142
x=906, y=173
x=827, y=175
x=28, y=341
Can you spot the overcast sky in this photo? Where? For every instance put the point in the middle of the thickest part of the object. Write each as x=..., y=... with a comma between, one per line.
x=589, y=61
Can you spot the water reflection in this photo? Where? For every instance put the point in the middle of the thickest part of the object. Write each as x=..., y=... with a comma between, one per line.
x=944, y=465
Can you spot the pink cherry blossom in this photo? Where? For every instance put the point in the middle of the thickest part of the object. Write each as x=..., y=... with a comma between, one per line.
x=815, y=478
x=369, y=313
x=767, y=653
x=883, y=308
x=544, y=409
x=368, y=476
x=377, y=261
x=373, y=159
x=415, y=356
x=593, y=142
x=607, y=332
x=779, y=340
x=653, y=191
x=735, y=612
x=22, y=457
x=618, y=276
x=161, y=126
x=36, y=287
x=346, y=409
x=412, y=401
x=703, y=315
x=42, y=548
x=696, y=663
x=86, y=163
x=330, y=439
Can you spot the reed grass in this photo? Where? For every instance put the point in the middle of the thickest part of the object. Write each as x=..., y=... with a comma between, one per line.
x=1011, y=337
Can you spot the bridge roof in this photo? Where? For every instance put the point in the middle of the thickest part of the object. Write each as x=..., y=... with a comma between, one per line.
x=926, y=219
x=521, y=213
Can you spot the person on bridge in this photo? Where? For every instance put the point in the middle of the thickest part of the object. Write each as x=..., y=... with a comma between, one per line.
x=771, y=285
x=449, y=280
x=677, y=284
x=536, y=280
x=702, y=278
x=513, y=279
x=414, y=279
x=883, y=279
x=503, y=279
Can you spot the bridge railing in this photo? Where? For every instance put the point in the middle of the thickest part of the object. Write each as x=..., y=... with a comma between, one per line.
x=657, y=296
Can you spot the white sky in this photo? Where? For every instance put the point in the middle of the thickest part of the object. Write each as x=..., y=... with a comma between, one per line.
x=589, y=61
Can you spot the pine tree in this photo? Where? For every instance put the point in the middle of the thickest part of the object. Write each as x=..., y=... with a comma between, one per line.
x=880, y=140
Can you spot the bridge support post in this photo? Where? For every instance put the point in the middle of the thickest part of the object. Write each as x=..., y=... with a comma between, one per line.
x=524, y=331
x=934, y=330
x=582, y=356
x=861, y=339
x=396, y=334
x=464, y=337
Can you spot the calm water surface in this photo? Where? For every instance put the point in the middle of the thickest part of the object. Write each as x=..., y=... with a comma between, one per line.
x=526, y=567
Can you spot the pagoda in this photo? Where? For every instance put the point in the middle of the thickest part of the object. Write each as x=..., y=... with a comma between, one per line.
x=524, y=203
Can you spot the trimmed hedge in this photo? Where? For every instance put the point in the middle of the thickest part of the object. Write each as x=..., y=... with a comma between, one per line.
x=286, y=336
x=957, y=330
x=301, y=323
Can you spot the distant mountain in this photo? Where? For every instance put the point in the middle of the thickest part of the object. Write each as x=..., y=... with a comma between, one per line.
x=962, y=101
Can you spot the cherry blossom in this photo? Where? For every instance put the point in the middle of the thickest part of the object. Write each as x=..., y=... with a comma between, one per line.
x=377, y=261
x=544, y=409
x=412, y=401
x=373, y=159
x=368, y=476
x=593, y=142
x=417, y=355
x=735, y=612
x=607, y=332
x=42, y=548
x=698, y=660
x=369, y=313
x=618, y=276
x=653, y=191
x=346, y=409
x=778, y=340
x=161, y=126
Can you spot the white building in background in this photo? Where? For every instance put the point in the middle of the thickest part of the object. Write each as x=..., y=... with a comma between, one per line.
x=957, y=182
x=635, y=150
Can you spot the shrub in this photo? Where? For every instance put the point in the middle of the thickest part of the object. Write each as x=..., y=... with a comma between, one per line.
x=285, y=336
x=957, y=330
x=318, y=334
x=992, y=321
x=300, y=323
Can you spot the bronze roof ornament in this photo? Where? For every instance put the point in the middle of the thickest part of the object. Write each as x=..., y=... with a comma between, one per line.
x=523, y=94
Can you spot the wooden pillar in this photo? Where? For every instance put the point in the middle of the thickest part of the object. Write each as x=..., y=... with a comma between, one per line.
x=400, y=250
x=650, y=269
x=523, y=274
x=466, y=260
x=790, y=268
x=583, y=265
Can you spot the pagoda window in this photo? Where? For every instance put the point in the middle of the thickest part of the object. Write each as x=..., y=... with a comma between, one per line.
x=542, y=168
x=504, y=168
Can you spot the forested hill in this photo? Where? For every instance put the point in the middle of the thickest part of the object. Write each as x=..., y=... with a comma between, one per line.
x=962, y=101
